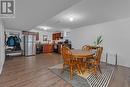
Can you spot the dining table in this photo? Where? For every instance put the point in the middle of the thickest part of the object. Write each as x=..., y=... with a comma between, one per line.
x=81, y=56
x=79, y=53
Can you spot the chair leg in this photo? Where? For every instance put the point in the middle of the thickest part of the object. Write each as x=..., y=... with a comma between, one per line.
x=95, y=70
x=63, y=69
x=99, y=69
x=71, y=72
x=79, y=68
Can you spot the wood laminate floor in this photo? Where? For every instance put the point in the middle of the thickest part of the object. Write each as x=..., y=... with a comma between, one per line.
x=33, y=72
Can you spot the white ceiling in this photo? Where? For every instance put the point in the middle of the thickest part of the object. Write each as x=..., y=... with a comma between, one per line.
x=31, y=13
x=91, y=12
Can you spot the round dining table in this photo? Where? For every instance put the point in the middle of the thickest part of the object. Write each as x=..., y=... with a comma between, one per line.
x=81, y=56
x=79, y=53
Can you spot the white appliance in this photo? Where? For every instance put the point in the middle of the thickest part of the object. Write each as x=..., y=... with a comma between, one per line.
x=29, y=45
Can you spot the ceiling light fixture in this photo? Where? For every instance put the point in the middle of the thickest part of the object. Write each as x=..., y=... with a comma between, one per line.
x=44, y=27
x=72, y=17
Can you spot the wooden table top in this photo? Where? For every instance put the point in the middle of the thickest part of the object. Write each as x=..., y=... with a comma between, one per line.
x=81, y=53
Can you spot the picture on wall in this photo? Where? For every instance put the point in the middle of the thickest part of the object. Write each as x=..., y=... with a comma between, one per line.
x=45, y=37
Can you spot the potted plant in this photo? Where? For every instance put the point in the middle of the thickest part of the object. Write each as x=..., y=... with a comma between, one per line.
x=98, y=41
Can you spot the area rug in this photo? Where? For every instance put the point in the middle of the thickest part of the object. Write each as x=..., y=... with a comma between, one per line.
x=86, y=80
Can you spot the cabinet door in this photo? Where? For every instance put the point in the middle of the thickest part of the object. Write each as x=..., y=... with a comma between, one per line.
x=56, y=36
x=47, y=48
x=53, y=37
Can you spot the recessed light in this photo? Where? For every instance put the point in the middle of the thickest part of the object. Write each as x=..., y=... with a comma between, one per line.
x=44, y=27
x=72, y=17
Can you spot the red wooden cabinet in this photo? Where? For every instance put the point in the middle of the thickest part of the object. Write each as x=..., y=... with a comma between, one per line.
x=56, y=36
x=47, y=48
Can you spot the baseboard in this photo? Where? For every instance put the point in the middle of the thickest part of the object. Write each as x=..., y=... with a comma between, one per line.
x=1, y=68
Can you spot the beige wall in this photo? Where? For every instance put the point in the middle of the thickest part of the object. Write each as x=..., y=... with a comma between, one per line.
x=2, y=47
x=116, y=35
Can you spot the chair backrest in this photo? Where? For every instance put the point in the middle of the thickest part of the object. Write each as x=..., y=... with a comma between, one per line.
x=98, y=54
x=66, y=53
x=86, y=47
x=89, y=47
x=93, y=47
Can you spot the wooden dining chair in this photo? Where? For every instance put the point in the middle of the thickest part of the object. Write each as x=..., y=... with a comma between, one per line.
x=85, y=47
x=89, y=47
x=95, y=60
x=83, y=61
x=68, y=60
